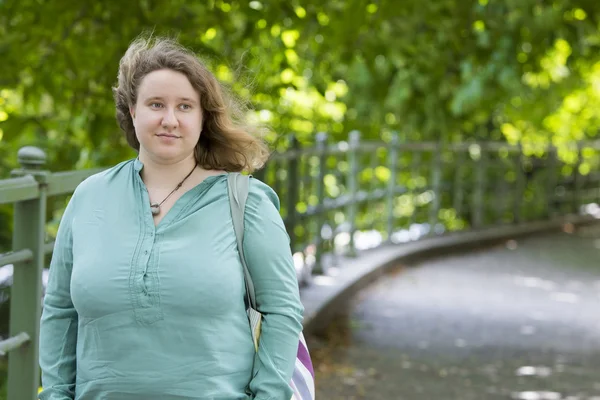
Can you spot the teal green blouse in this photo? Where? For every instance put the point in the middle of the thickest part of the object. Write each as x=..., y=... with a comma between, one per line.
x=134, y=311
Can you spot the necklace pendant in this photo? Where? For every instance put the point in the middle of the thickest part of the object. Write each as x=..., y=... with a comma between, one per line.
x=155, y=208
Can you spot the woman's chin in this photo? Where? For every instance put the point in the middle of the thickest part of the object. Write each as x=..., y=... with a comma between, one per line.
x=167, y=153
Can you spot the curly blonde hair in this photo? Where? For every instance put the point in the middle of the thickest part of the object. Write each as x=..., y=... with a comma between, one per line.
x=227, y=142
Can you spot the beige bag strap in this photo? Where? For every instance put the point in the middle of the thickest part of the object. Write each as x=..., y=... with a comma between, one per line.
x=238, y=186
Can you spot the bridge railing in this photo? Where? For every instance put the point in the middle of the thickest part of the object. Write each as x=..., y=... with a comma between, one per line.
x=28, y=189
x=336, y=198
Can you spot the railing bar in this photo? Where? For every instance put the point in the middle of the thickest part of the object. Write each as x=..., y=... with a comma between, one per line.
x=13, y=257
x=13, y=343
x=18, y=189
x=342, y=148
x=65, y=182
x=345, y=200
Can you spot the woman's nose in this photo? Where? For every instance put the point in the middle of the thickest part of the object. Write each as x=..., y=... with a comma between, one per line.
x=169, y=119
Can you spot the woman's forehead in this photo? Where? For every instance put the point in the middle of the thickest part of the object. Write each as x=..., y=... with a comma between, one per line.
x=167, y=83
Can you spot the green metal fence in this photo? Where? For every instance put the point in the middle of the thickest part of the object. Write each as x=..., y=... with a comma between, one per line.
x=29, y=189
x=332, y=195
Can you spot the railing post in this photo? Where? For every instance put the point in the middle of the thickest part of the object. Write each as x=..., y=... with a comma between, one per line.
x=519, y=185
x=320, y=187
x=26, y=291
x=436, y=180
x=292, y=191
x=391, y=195
x=577, y=182
x=551, y=181
x=457, y=187
x=415, y=164
x=501, y=188
x=353, y=187
x=478, y=195
x=277, y=166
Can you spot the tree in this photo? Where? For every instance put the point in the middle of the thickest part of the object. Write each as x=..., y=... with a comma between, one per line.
x=515, y=70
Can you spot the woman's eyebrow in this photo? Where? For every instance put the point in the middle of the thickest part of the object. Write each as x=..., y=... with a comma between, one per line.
x=186, y=99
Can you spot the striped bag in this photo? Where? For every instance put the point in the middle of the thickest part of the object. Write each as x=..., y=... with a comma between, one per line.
x=303, y=379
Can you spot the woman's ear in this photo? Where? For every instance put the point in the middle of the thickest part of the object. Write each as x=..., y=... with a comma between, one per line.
x=132, y=112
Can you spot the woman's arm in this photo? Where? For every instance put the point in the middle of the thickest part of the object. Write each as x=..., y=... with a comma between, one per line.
x=58, y=326
x=269, y=259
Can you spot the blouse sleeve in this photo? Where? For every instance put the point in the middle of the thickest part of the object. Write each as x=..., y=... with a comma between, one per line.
x=269, y=258
x=58, y=326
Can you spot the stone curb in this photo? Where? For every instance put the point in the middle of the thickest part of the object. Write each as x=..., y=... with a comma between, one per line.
x=328, y=294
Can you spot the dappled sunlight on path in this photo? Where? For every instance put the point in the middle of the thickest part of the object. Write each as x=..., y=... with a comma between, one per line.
x=516, y=321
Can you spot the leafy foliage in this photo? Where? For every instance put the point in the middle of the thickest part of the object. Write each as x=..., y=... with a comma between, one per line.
x=444, y=69
x=523, y=71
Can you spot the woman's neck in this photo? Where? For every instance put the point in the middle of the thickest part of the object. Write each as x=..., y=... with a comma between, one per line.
x=165, y=175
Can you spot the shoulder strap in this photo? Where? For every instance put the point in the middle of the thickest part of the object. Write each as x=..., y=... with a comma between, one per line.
x=238, y=186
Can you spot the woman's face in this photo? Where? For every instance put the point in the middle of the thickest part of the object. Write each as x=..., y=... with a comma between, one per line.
x=167, y=117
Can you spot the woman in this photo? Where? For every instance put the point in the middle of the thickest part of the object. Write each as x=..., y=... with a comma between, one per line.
x=145, y=298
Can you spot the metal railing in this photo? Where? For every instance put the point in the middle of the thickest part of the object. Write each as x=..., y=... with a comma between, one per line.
x=28, y=190
x=330, y=194
x=393, y=191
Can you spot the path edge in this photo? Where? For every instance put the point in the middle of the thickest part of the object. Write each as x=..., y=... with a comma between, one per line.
x=327, y=295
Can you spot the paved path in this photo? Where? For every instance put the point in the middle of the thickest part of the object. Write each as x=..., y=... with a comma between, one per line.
x=520, y=321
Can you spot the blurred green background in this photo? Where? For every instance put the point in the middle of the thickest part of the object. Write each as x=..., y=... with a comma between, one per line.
x=449, y=70
x=511, y=70
x=519, y=71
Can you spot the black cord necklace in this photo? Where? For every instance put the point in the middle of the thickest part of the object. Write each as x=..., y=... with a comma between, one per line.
x=155, y=207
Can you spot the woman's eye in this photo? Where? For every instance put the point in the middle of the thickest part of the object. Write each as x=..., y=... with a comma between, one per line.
x=155, y=105
x=185, y=106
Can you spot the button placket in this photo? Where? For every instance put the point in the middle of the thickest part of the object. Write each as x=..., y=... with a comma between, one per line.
x=145, y=263
x=147, y=253
x=147, y=305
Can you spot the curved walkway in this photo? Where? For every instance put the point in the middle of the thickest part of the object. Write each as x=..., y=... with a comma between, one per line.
x=516, y=321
